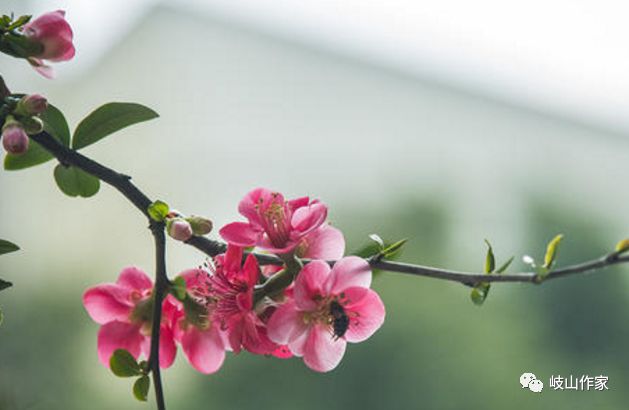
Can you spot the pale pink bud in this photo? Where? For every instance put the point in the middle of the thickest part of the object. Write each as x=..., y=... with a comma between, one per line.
x=179, y=229
x=14, y=139
x=53, y=32
x=32, y=104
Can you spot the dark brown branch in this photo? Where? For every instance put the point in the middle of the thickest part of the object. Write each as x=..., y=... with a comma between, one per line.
x=161, y=287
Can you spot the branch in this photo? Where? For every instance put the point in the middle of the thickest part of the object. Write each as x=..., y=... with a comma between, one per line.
x=212, y=248
x=161, y=287
x=123, y=184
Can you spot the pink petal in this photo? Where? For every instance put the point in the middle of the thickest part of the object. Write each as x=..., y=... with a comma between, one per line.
x=107, y=302
x=307, y=218
x=240, y=233
x=118, y=335
x=265, y=244
x=204, y=349
x=286, y=324
x=322, y=352
x=250, y=205
x=348, y=272
x=196, y=281
x=366, y=316
x=167, y=348
x=310, y=283
x=251, y=270
x=233, y=259
x=298, y=344
x=325, y=242
x=41, y=68
x=296, y=203
x=282, y=352
x=135, y=279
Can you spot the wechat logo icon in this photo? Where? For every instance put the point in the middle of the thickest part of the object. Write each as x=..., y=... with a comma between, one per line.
x=530, y=381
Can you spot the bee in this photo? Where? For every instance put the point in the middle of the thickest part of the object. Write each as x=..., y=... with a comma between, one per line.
x=339, y=319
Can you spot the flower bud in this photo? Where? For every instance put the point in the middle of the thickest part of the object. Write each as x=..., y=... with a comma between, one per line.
x=31, y=105
x=32, y=125
x=54, y=34
x=200, y=225
x=14, y=138
x=179, y=229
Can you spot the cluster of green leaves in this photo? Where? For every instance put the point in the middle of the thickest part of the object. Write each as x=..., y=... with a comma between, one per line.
x=552, y=251
x=158, y=211
x=123, y=364
x=102, y=122
x=6, y=247
x=481, y=290
x=378, y=248
x=12, y=41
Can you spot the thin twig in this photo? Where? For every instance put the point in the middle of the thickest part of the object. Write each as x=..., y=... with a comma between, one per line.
x=212, y=248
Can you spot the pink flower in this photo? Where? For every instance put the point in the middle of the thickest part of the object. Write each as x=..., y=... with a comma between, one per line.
x=54, y=34
x=124, y=309
x=201, y=338
x=326, y=242
x=330, y=307
x=14, y=138
x=275, y=225
x=232, y=287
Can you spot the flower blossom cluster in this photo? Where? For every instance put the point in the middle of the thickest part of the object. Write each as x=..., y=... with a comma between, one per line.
x=312, y=317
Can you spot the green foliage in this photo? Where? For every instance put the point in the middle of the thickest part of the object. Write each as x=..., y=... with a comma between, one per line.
x=622, y=246
x=490, y=260
x=108, y=119
x=123, y=364
x=379, y=248
x=7, y=247
x=55, y=124
x=178, y=288
x=141, y=387
x=551, y=251
x=75, y=182
x=481, y=290
x=158, y=210
x=479, y=293
x=505, y=265
x=5, y=284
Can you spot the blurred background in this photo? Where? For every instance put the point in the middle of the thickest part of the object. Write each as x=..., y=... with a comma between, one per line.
x=442, y=122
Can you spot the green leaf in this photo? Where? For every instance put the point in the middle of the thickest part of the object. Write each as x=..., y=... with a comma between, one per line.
x=141, y=388
x=123, y=364
x=479, y=293
x=490, y=260
x=377, y=239
x=19, y=22
x=4, y=284
x=7, y=247
x=622, y=246
x=505, y=265
x=108, y=119
x=551, y=251
x=158, y=210
x=55, y=124
x=393, y=249
x=178, y=288
x=75, y=182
